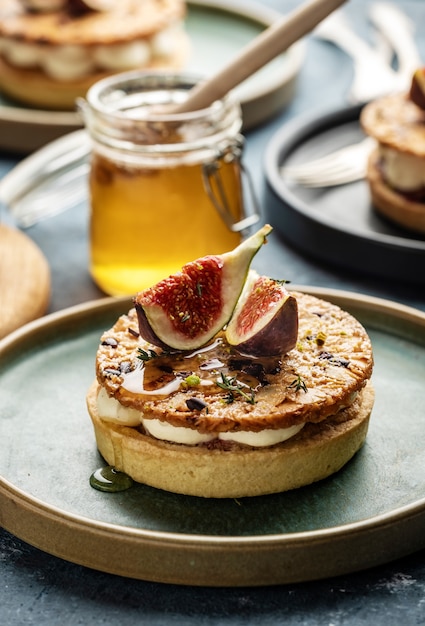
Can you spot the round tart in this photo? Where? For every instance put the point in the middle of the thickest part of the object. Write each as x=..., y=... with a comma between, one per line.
x=213, y=423
x=50, y=58
x=396, y=169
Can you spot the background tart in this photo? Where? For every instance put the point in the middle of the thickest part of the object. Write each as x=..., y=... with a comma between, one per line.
x=48, y=59
x=396, y=169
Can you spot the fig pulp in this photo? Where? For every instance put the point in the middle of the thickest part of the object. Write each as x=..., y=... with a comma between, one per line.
x=417, y=88
x=265, y=320
x=187, y=309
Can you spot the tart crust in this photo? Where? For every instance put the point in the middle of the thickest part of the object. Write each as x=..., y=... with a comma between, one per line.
x=315, y=453
x=394, y=206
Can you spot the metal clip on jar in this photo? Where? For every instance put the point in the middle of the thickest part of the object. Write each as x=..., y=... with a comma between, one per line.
x=164, y=189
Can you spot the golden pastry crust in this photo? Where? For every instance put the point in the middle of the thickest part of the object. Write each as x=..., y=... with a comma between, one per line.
x=396, y=122
x=126, y=21
x=315, y=453
x=392, y=205
x=333, y=359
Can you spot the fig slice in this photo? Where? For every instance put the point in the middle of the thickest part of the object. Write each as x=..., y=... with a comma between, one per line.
x=265, y=319
x=187, y=309
x=417, y=88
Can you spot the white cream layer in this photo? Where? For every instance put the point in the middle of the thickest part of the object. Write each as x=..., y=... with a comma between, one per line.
x=72, y=62
x=109, y=409
x=405, y=172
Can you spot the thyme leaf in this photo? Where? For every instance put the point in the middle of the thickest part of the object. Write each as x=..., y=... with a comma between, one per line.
x=281, y=281
x=298, y=384
x=233, y=386
x=146, y=355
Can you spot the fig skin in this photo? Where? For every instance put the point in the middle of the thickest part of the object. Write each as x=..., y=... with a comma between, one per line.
x=417, y=88
x=278, y=337
x=186, y=310
x=145, y=329
x=273, y=333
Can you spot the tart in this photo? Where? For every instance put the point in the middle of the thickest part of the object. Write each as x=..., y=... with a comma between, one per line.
x=214, y=423
x=52, y=51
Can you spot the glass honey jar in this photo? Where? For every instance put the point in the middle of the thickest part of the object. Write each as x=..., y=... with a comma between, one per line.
x=164, y=188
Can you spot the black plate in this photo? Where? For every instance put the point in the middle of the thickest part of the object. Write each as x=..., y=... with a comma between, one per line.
x=335, y=224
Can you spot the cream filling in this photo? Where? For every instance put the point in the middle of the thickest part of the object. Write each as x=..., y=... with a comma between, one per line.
x=134, y=382
x=405, y=172
x=109, y=409
x=72, y=62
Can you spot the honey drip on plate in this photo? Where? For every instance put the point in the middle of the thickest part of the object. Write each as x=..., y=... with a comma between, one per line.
x=111, y=480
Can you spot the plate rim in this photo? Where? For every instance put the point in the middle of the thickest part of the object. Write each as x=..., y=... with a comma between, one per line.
x=17, y=506
x=292, y=134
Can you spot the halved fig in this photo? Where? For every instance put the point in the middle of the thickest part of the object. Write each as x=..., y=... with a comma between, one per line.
x=187, y=309
x=417, y=88
x=265, y=320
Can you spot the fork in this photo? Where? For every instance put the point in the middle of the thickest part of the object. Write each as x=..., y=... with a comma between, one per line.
x=340, y=167
x=373, y=77
x=373, y=74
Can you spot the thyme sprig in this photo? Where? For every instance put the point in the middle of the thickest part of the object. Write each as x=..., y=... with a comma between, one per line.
x=281, y=281
x=146, y=355
x=234, y=387
x=298, y=384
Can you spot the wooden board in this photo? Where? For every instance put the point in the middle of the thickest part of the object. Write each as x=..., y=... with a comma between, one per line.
x=24, y=280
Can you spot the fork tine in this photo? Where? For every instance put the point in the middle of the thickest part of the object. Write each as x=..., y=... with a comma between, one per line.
x=333, y=180
x=333, y=159
x=345, y=165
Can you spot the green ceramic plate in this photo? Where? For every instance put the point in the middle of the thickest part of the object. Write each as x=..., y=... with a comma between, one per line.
x=218, y=30
x=371, y=512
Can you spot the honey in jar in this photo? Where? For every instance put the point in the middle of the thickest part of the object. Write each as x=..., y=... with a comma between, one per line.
x=164, y=189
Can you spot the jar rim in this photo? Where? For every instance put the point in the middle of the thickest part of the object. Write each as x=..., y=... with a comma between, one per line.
x=105, y=94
